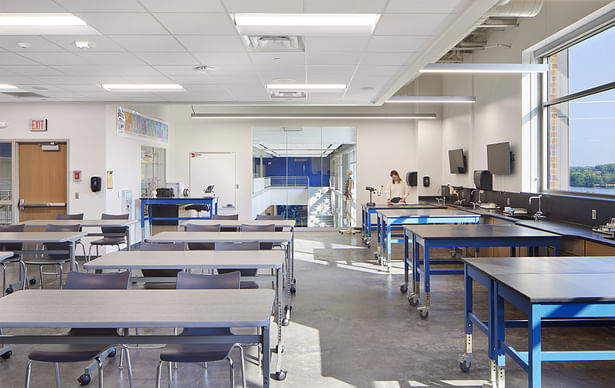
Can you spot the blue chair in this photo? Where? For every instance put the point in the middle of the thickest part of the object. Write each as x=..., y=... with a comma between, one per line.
x=203, y=352
x=80, y=353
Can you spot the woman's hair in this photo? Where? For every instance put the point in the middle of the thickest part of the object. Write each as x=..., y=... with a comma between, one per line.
x=394, y=172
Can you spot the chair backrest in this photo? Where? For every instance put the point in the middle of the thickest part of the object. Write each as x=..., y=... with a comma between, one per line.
x=238, y=246
x=163, y=273
x=225, y=217
x=76, y=216
x=202, y=228
x=112, y=229
x=60, y=246
x=12, y=228
x=186, y=281
x=95, y=281
x=268, y=217
x=257, y=228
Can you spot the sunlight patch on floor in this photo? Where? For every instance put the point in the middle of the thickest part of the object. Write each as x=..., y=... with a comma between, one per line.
x=385, y=384
x=465, y=383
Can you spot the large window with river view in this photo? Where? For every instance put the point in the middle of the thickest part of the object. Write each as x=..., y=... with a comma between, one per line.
x=580, y=118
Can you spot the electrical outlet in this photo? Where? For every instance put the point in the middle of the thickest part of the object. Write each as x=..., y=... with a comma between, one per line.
x=507, y=201
x=594, y=216
x=76, y=195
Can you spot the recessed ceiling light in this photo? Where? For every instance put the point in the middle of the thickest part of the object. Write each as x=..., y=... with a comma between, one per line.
x=142, y=87
x=315, y=116
x=204, y=69
x=305, y=23
x=431, y=100
x=24, y=45
x=8, y=87
x=42, y=23
x=311, y=87
x=84, y=44
x=484, y=68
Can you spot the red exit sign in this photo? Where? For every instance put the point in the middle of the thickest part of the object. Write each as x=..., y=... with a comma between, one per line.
x=38, y=125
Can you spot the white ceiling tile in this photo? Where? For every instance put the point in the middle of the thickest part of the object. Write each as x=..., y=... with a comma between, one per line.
x=30, y=6
x=101, y=6
x=366, y=72
x=397, y=43
x=410, y=24
x=278, y=58
x=108, y=70
x=123, y=23
x=18, y=80
x=388, y=59
x=327, y=43
x=168, y=59
x=67, y=42
x=218, y=43
x=33, y=70
x=183, y=5
x=69, y=81
x=103, y=58
x=14, y=59
x=242, y=93
x=330, y=74
x=197, y=23
x=269, y=6
x=425, y=6
x=212, y=58
x=333, y=58
x=63, y=58
x=271, y=73
x=9, y=43
x=344, y=6
x=148, y=43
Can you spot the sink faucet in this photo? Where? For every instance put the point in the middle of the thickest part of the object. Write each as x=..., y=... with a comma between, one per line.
x=472, y=196
x=538, y=215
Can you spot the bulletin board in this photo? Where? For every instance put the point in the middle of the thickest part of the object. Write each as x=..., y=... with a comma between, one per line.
x=131, y=123
x=218, y=169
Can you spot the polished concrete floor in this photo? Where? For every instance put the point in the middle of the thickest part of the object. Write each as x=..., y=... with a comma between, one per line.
x=352, y=327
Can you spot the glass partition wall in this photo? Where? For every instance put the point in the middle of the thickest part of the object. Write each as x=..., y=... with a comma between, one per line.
x=6, y=183
x=299, y=172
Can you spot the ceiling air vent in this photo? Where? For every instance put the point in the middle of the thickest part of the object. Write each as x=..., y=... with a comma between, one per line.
x=288, y=95
x=23, y=94
x=273, y=43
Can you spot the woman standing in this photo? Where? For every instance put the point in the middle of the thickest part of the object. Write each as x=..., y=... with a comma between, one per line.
x=397, y=189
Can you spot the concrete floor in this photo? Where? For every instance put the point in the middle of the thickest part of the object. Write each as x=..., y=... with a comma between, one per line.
x=352, y=327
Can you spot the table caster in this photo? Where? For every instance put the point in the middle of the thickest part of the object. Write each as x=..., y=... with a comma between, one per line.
x=377, y=255
x=279, y=375
x=9, y=290
x=112, y=353
x=369, y=244
x=84, y=379
x=465, y=363
x=403, y=288
x=276, y=349
x=413, y=299
x=7, y=355
x=423, y=313
x=32, y=281
x=293, y=289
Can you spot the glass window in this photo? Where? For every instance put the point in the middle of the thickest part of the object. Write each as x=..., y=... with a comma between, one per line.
x=153, y=169
x=6, y=182
x=581, y=128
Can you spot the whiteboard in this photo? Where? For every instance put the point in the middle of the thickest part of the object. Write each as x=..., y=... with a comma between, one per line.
x=214, y=168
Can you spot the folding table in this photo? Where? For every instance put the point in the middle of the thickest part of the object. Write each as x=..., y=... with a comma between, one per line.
x=44, y=237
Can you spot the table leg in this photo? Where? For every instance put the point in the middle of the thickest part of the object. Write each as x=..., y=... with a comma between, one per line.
x=72, y=256
x=496, y=325
x=413, y=298
x=388, y=250
x=404, y=286
x=266, y=355
x=128, y=241
x=424, y=310
x=279, y=373
x=534, y=347
x=466, y=361
x=293, y=285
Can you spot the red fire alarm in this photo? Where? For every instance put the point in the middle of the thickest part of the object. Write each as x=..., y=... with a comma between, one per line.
x=76, y=175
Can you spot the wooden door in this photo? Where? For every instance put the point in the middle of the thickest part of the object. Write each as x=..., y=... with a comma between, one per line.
x=42, y=181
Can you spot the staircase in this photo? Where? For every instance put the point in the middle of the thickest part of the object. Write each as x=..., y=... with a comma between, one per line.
x=319, y=207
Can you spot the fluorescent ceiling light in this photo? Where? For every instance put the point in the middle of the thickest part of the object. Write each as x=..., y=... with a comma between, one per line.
x=42, y=23
x=484, y=68
x=312, y=87
x=8, y=87
x=308, y=116
x=305, y=23
x=142, y=87
x=84, y=44
x=431, y=100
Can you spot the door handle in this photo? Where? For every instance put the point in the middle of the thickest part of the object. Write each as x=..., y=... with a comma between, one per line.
x=22, y=204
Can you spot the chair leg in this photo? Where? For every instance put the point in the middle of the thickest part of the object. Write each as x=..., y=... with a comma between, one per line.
x=129, y=366
x=3, y=278
x=100, y=372
x=58, y=383
x=28, y=371
x=230, y=363
x=243, y=366
x=158, y=373
x=61, y=275
x=40, y=274
x=25, y=275
x=170, y=373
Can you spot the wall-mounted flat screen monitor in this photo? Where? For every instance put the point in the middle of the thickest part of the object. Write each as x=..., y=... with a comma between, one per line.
x=457, y=161
x=498, y=158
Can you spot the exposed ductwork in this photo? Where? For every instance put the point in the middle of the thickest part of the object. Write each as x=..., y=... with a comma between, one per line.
x=516, y=9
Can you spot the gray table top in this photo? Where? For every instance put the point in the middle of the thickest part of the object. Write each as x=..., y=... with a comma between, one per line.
x=136, y=308
x=404, y=206
x=84, y=223
x=418, y=213
x=209, y=237
x=40, y=237
x=223, y=223
x=542, y=265
x=188, y=259
x=475, y=231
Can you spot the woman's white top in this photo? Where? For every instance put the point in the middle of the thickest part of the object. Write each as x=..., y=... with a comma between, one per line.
x=397, y=190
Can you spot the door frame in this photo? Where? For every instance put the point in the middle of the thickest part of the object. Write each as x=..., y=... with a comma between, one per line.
x=15, y=182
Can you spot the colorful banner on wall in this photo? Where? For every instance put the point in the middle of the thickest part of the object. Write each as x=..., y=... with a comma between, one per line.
x=131, y=123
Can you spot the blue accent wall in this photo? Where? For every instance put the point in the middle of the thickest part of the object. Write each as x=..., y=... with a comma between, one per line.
x=316, y=169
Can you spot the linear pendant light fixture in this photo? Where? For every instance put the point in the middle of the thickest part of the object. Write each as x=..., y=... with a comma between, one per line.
x=7, y=87
x=143, y=87
x=308, y=87
x=305, y=23
x=43, y=24
x=431, y=100
x=484, y=68
x=313, y=116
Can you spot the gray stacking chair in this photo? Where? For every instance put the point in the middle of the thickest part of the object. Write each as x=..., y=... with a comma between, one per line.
x=267, y=217
x=16, y=258
x=260, y=228
x=79, y=353
x=240, y=246
x=75, y=216
x=161, y=273
x=111, y=235
x=203, y=352
x=226, y=217
x=57, y=259
x=202, y=228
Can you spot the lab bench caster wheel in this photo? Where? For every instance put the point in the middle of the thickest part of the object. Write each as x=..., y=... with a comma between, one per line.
x=293, y=289
x=112, y=353
x=423, y=313
x=7, y=355
x=465, y=364
x=84, y=379
x=9, y=290
x=413, y=300
x=32, y=281
x=403, y=288
x=369, y=244
x=277, y=349
x=279, y=375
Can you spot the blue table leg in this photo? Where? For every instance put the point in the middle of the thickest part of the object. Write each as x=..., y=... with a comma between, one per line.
x=534, y=346
x=466, y=361
x=424, y=310
x=388, y=248
x=404, y=287
x=497, y=332
x=413, y=297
